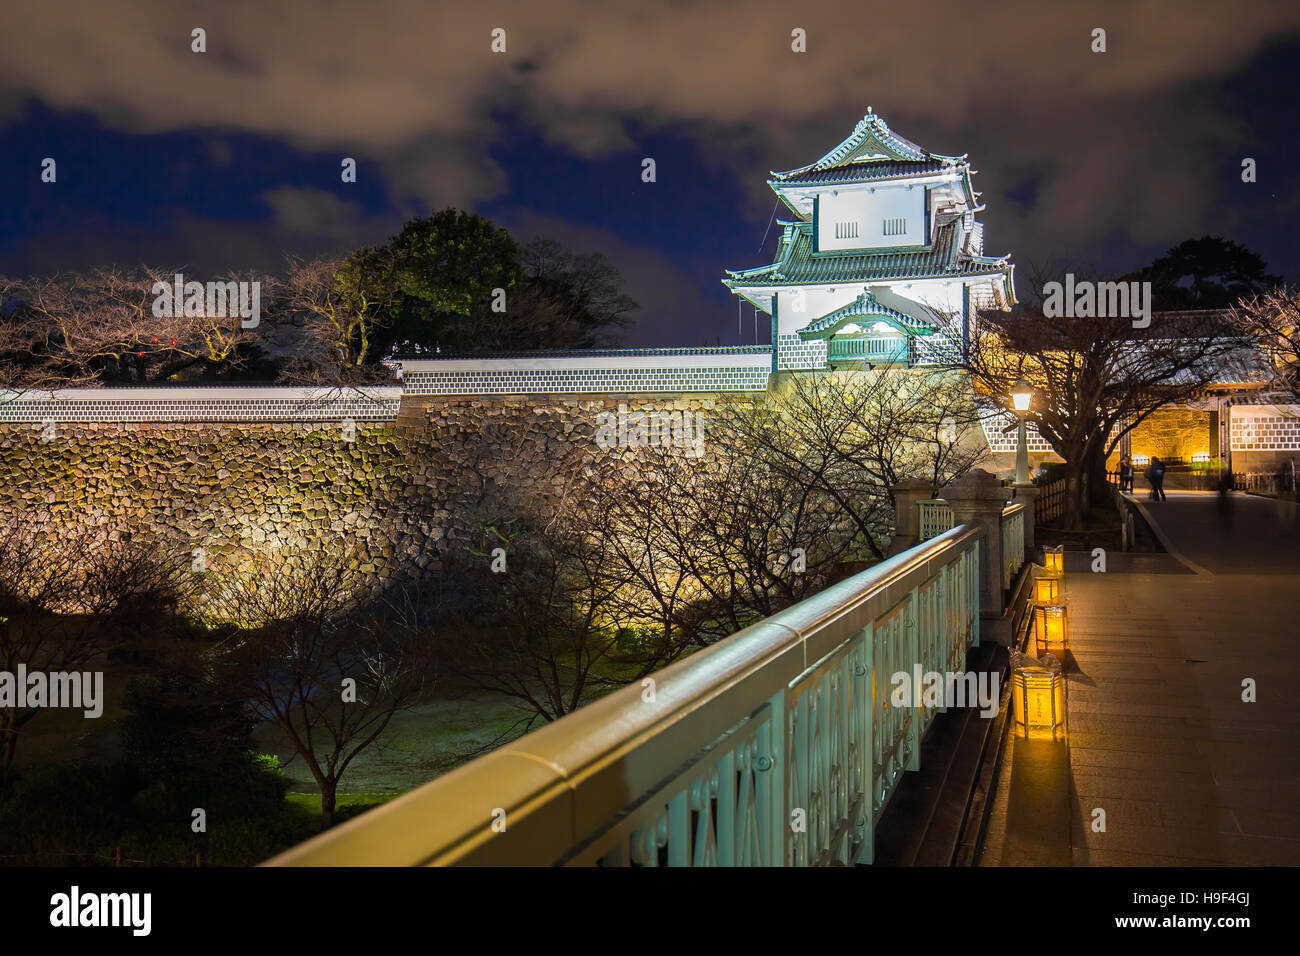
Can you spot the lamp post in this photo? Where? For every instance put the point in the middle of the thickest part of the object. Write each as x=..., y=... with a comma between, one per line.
x=1021, y=394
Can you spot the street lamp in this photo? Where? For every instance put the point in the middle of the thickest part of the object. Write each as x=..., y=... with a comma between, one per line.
x=1021, y=394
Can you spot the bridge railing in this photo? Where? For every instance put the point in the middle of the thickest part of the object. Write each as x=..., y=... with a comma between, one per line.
x=935, y=517
x=778, y=746
x=1013, y=542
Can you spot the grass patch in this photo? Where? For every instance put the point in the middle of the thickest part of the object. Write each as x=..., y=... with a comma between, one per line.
x=346, y=805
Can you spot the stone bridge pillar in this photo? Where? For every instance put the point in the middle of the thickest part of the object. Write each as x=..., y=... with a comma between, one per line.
x=977, y=498
x=907, y=516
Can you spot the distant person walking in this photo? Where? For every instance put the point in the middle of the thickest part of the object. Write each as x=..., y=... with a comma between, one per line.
x=1225, y=494
x=1125, y=474
x=1155, y=474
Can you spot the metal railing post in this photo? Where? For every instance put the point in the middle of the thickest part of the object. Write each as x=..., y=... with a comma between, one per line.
x=915, y=664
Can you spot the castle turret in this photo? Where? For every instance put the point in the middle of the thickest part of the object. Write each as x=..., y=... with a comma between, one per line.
x=882, y=261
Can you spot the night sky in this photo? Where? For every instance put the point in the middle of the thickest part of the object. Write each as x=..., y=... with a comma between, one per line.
x=230, y=159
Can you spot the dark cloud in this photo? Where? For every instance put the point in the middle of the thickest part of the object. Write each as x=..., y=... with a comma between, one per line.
x=384, y=75
x=1133, y=148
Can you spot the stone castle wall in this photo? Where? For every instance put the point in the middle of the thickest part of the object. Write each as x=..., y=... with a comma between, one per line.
x=240, y=490
x=1176, y=433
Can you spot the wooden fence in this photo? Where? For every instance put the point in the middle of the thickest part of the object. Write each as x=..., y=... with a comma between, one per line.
x=1050, y=502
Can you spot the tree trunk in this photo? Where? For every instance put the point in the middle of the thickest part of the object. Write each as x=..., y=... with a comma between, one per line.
x=8, y=744
x=1098, y=486
x=1074, y=492
x=328, y=795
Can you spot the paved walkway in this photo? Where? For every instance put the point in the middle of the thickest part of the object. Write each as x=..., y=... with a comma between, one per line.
x=1159, y=736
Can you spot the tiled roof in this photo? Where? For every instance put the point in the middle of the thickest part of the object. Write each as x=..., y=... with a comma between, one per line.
x=863, y=171
x=589, y=353
x=871, y=141
x=1241, y=366
x=798, y=265
x=867, y=309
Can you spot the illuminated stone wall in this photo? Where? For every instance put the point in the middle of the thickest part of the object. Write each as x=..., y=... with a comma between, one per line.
x=1173, y=433
x=240, y=489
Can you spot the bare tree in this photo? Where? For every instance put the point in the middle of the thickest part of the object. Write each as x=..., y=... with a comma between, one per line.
x=546, y=620
x=32, y=353
x=1273, y=320
x=864, y=431
x=342, y=300
x=553, y=618
x=75, y=329
x=716, y=539
x=65, y=599
x=716, y=543
x=1095, y=379
x=316, y=653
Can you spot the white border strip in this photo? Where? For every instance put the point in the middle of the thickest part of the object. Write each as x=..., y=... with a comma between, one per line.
x=184, y=394
x=601, y=363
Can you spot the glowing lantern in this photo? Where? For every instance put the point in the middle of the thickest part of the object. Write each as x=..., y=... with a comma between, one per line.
x=1047, y=590
x=1051, y=632
x=1054, y=558
x=1021, y=395
x=1038, y=697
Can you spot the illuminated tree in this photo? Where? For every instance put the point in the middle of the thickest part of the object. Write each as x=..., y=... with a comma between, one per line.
x=72, y=330
x=1273, y=320
x=67, y=598
x=319, y=655
x=543, y=608
x=1095, y=379
x=342, y=301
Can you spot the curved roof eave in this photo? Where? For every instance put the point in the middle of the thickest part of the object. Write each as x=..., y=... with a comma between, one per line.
x=871, y=127
x=908, y=331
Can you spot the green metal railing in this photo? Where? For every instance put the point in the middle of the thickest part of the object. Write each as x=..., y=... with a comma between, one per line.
x=778, y=746
x=1013, y=541
x=934, y=518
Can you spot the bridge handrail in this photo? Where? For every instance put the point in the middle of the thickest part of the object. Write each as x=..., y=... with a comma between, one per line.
x=1013, y=541
x=683, y=775
x=934, y=517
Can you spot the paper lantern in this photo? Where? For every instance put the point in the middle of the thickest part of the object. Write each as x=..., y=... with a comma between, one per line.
x=1051, y=631
x=1054, y=559
x=1047, y=590
x=1038, y=697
